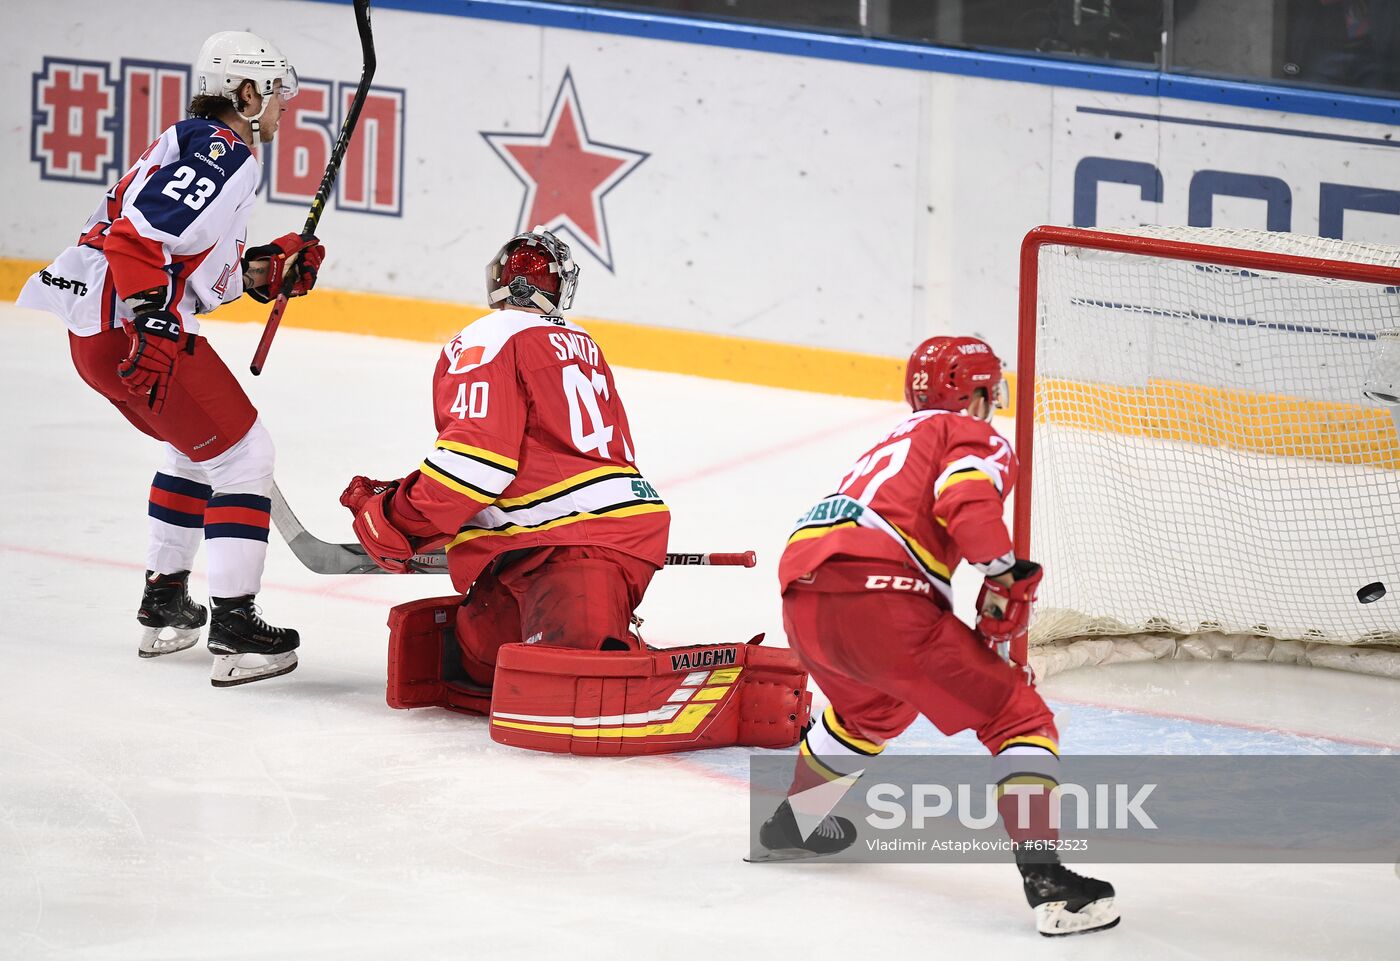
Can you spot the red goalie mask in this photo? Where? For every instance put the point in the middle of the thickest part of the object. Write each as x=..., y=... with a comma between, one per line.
x=534, y=271
x=945, y=372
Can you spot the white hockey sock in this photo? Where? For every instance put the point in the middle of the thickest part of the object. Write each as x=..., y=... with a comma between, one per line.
x=832, y=751
x=238, y=518
x=236, y=528
x=176, y=512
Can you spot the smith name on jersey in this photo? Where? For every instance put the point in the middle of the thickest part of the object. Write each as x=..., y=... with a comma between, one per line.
x=533, y=450
x=927, y=495
x=178, y=220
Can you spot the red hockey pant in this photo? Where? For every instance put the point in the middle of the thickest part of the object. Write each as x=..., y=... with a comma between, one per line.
x=570, y=596
x=215, y=483
x=885, y=656
x=206, y=411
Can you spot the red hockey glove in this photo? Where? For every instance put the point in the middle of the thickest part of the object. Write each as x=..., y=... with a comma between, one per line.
x=361, y=488
x=150, y=363
x=266, y=267
x=1004, y=610
x=368, y=500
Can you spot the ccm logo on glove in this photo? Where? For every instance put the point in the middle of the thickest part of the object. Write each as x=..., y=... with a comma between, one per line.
x=150, y=360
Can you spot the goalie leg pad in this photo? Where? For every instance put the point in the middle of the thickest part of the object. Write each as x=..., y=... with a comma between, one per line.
x=424, y=663
x=648, y=702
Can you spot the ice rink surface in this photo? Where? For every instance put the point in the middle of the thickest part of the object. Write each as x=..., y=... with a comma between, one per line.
x=146, y=815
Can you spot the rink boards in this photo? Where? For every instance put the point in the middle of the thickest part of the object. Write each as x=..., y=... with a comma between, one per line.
x=793, y=212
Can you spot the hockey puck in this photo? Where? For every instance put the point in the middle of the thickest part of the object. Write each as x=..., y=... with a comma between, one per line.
x=1371, y=592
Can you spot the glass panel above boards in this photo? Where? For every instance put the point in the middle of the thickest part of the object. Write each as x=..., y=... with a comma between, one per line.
x=1351, y=45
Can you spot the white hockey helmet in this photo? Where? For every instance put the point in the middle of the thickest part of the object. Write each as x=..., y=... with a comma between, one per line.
x=232, y=56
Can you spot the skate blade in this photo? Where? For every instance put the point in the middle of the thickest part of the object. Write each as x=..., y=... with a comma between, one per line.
x=180, y=639
x=231, y=671
x=1053, y=920
x=786, y=854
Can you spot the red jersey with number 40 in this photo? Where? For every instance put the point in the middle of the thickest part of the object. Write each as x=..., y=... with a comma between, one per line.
x=533, y=449
x=929, y=494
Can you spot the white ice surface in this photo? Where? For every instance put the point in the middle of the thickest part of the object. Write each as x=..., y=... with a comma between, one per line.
x=146, y=815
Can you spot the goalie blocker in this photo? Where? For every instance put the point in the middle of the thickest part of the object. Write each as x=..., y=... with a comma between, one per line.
x=570, y=701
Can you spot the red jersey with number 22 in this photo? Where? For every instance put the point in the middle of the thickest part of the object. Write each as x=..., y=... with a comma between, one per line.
x=929, y=494
x=533, y=450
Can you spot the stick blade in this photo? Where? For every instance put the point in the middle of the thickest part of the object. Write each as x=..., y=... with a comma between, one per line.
x=326, y=558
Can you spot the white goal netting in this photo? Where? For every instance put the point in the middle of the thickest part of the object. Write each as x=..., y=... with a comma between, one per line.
x=1210, y=476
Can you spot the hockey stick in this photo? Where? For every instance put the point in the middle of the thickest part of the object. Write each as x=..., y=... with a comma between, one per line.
x=323, y=193
x=325, y=557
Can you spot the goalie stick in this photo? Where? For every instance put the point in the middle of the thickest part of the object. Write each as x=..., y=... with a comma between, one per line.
x=323, y=193
x=325, y=557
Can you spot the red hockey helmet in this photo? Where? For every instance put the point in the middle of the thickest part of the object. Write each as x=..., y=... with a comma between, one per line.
x=944, y=373
x=534, y=271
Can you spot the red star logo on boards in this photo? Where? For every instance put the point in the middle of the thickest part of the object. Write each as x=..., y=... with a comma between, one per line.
x=566, y=173
x=226, y=135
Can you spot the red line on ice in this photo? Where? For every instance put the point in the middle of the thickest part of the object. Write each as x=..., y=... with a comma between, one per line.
x=128, y=566
x=1219, y=722
x=764, y=453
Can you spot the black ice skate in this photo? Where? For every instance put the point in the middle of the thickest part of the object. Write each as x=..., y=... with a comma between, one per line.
x=247, y=648
x=782, y=837
x=1065, y=902
x=167, y=609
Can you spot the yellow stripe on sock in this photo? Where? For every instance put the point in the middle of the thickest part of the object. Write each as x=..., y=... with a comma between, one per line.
x=815, y=764
x=846, y=737
x=1034, y=740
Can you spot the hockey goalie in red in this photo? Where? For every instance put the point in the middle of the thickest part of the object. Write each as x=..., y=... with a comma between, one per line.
x=553, y=535
x=868, y=608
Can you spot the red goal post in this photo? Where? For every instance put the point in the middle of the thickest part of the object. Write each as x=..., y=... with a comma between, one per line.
x=1220, y=369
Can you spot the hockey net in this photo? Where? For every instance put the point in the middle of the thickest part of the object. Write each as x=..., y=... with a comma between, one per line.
x=1203, y=474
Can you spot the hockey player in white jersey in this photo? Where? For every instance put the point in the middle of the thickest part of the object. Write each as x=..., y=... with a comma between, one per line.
x=168, y=243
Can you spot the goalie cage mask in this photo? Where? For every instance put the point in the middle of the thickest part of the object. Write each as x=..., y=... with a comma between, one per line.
x=944, y=373
x=534, y=271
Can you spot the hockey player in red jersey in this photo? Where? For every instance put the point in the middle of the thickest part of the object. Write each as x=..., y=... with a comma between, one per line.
x=531, y=484
x=166, y=244
x=553, y=535
x=868, y=608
